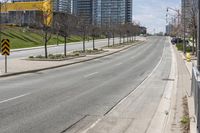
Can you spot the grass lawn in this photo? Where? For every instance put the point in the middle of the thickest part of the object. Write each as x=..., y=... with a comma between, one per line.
x=24, y=38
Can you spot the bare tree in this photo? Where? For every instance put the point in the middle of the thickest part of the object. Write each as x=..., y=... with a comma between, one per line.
x=44, y=22
x=107, y=32
x=83, y=28
x=113, y=30
x=94, y=33
x=66, y=24
x=193, y=30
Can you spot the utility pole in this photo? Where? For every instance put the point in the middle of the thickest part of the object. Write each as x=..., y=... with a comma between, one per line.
x=178, y=16
x=184, y=28
x=0, y=20
x=198, y=37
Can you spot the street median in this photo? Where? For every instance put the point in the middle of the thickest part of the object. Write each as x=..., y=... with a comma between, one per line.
x=25, y=65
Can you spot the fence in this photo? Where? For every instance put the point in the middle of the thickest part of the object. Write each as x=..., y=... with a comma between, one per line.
x=195, y=92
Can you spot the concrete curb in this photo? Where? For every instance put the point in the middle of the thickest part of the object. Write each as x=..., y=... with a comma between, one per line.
x=191, y=105
x=190, y=100
x=160, y=118
x=67, y=64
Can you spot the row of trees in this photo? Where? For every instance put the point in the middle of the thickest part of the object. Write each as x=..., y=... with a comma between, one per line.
x=65, y=25
x=190, y=26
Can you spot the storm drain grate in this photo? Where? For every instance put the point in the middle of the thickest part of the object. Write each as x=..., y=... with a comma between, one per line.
x=168, y=79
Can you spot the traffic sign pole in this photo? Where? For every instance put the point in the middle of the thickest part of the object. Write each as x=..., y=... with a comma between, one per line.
x=6, y=64
x=5, y=50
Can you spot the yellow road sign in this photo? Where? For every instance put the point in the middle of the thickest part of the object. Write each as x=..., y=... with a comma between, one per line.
x=5, y=47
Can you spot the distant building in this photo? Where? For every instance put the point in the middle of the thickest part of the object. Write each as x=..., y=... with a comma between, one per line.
x=24, y=0
x=104, y=12
x=112, y=12
x=58, y=5
x=186, y=13
x=83, y=9
x=128, y=13
x=29, y=13
x=169, y=29
x=62, y=6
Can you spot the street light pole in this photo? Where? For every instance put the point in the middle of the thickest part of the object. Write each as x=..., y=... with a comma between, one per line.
x=178, y=16
x=198, y=37
x=184, y=28
x=0, y=21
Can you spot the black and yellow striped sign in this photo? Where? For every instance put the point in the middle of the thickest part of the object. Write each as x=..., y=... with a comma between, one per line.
x=5, y=47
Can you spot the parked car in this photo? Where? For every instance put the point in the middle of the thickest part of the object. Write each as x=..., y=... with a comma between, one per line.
x=176, y=40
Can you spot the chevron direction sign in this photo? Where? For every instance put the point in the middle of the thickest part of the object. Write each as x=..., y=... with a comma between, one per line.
x=5, y=47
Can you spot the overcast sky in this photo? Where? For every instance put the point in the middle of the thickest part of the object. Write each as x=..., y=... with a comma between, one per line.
x=152, y=13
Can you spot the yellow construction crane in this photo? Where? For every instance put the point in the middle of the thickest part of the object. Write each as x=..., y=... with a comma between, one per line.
x=45, y=6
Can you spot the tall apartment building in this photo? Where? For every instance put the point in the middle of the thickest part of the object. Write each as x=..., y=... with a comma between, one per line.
x=104, y=12
x=128, y=17
x=186, y=13
x=62, y=6
x=83, y=9
x=112, y=12
x=169, y=29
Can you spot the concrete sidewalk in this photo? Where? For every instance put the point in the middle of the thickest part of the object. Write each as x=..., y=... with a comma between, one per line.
x=182, y=89
x=21, y=65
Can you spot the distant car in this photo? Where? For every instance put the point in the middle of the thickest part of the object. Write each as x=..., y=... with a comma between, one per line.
x=173, y=41
x=176, y=40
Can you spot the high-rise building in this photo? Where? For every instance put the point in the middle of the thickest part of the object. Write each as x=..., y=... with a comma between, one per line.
x=83, y=9
x=104, y=12
x=186, y=14
x=169, y=29
x=62, y=6
x=128, y=13
x=96, y=12
x=112, y=12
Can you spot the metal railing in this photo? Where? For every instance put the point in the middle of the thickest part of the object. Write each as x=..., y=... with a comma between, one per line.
x=195, y=93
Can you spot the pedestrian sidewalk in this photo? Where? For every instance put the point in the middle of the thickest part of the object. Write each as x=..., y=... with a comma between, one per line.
x=22, y=65
x=183, y=88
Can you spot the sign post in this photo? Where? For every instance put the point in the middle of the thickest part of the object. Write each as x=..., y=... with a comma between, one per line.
x=5, y=50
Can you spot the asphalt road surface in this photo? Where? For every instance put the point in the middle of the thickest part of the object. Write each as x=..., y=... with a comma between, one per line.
x=52, y=101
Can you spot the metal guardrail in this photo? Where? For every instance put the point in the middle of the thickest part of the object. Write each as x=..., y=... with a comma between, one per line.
x=195, y=93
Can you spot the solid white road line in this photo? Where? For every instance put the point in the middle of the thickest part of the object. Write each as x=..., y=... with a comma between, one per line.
x=94, y=124
x=10, y=99
x=91, y=74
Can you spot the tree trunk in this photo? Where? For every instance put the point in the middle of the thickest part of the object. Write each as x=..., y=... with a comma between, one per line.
x=196, y=44
x=45, y=44
x=108, y=40
x=84, y=42
x=57, y=39
x=120, y=38
x=113, y=39
x=93, y=43
x=65, y=46
x=193, y=49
